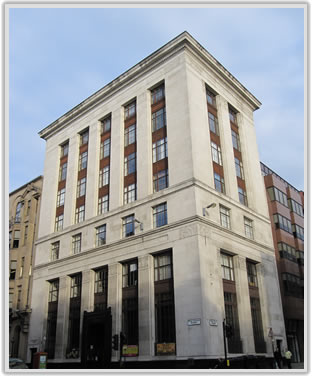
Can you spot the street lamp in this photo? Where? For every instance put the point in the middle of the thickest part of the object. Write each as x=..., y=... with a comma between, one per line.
x=140, y=223
x=213, y=205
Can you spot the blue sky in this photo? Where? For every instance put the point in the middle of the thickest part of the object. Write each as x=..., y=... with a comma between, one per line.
x=60, y=56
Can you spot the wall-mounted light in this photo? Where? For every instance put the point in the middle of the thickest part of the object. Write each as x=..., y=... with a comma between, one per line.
x=140, y=223
x=208, y=207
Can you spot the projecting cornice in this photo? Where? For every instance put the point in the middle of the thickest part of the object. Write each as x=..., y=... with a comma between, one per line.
x=178, y=44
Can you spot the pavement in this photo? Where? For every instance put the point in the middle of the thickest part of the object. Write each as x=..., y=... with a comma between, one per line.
x=295, y=366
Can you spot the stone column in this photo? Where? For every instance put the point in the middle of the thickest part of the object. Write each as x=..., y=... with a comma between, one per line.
x=146, y=306
x=115, y=300
x=62, y=320
x=243, y=304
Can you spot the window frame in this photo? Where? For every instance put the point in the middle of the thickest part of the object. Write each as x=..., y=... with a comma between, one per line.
x=216, y=153
x=105, y=148
x=130, y=193
x=130, y=135
x=76, y=243
x=128, y=221
x=225, y=217
x=159, y=150
x=158, y=119
x=160, y=212
x=100, y=239
x=130, y=164
x=81, y=187
x=83, y=160
x=80, y=214
x=219, y=183
x=55, y=251
x=103, y=204
x=160, y=176
x=227, y=266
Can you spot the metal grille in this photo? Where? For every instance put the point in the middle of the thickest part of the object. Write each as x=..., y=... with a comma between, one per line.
x=165, y=317
x=231, y=315
x=259, y=343
x=130, y=319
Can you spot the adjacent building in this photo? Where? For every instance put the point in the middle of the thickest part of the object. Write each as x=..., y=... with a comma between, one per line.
x=154, y=206
x=24, y=205
x=286, y=207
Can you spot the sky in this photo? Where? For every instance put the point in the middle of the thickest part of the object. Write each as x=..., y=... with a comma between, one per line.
x=60, y=56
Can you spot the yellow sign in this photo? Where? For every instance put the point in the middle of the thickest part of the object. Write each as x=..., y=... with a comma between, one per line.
x=130, y=350
x=166, y=348
x=228, y=363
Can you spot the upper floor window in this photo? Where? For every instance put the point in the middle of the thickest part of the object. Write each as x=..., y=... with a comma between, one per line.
x=80, y=214
x=210, y=97
x=84, y=137
x=216, y=153
x=101, y=280
x=130, y=135
x=130, y=110
x=232, y=116
x=106, y=124
x=16, y=240
x=100, y=235
x=62, y=172
x=130, y=193
x=282, y=223
x=58, y=223
x=64, y=150
x=83, y=160
x=61, y=197
x=225, y=217
x=242, y=196
x=13, y=269
x=76, y=283
x=235, y=139
x=160, y=180
x=22, y=267
x=105, y=148
x=219, y=183
x=81, y=187
x=298, y=232
x=10, y=239
x=25, y=234
x=130, y=274
x=239, y=168
x=213, y=124
x=157, y=94
x=295, y=207
x=28, y=207
x=130, y=164
x=158, y=119
x=104, y=175
x=277, y=195
x=252, y=274
x=160, y=215
x=55, y=248
x=129, y=226
x=76, y=243
x=248, y=228
x=18, y=212
x=103, y=204
x=227, y=267
x=286, y=251
x=159, y=150
x=53, y=291
x=162, y=266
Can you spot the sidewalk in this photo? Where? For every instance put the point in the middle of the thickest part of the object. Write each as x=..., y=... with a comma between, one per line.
x=295, y=366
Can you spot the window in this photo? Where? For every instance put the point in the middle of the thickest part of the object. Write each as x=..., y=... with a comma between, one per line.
x=128, y=226
x=101, y=289
x=18, y=212
x=64, y=150
x=130, y=164
x=130, y=110
x=160, y=180
x=225, y=217
x=25, y=234
x=162, y=267
x=104, y=176
x=213, y=123
x=84, y=137
x=16, y=239
x=106, y=124
x=252, y=274
x=216, y=153
x=235, y=139
x=160, y=215
x=13, y=269
x=295, y=207
x=19, y=294
x=258, y=334
x=286, y=251
x=298, y=232
x=53, y=291
x=248, y=228
x=81, y=187
x=293, y=285
x=105, y=148
x=76, y=281
x=61, y=197
x=232, y=116
x=130, y=193
x=159, y=150
x=300, y=257
x=158, y=119
x=100, y=235
x=227, y=267
x=239, y=168
x=76, y=243
x=130, y=135
x=10, y=239
x=28, y=207
x=80, y=214
x=231, y=316
x=55, y=247
x=242, y=196
x=277, y=195
x=130, y=274
x=157, y=94
x=10, y=300
x=210, y=97
x=282, y=223
x=58, y=223
x=103, y=204
x=62, y=172
x=83, y=160
x=219, y=183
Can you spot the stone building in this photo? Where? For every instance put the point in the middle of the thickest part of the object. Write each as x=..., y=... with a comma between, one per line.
x=24, y=205
x=287, y=216
x=154, y=205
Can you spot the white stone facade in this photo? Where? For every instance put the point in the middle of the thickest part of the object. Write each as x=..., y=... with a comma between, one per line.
x=196, y=240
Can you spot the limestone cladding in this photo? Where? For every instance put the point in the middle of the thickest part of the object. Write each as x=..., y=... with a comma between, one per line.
x=185, y=68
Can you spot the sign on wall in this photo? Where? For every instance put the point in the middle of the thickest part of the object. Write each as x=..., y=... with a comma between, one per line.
x=165, y=348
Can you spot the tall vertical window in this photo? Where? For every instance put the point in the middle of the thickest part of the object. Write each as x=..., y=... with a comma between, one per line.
x=100, y=235
x=130, y=193
x=16, y=239
x=130, y=164
x=80, y=214
x=232, y=116
x=128, y=226
x=227, y=267
x=53, y=291
x=231, y=316
x=28, y=207
x=55, y=248
x=10, y=239
x=105, y=148
x=160, y=180
x=64, y=149
x=73, y=341
x=13, y=269
x=242, y=196
x=76, y=282
x=18, y=212
x=25, y=234
x=104, y=176
x=159, y=149
x=130, y=135
x=257, y=325
x=235, y=139
x=58, y=223
x=83, y=160
x=210, y=97
x=52, y=317
x=162, y=267
x=103, y=204
x=160, y=215
x=130, y=110
x=62, y=172
x=130, y=274
x=76, y=243
x=219, y=183
x=248, y=228
x=61, y=197
x=81, y=187
x=84, y=137
x=252, y=274
x=101, y=289
x=157, y=94
x=158, y=119
x=239, y=168
x=106, y=124
x=225, y=217
x=216, y=153
x=213, y=124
